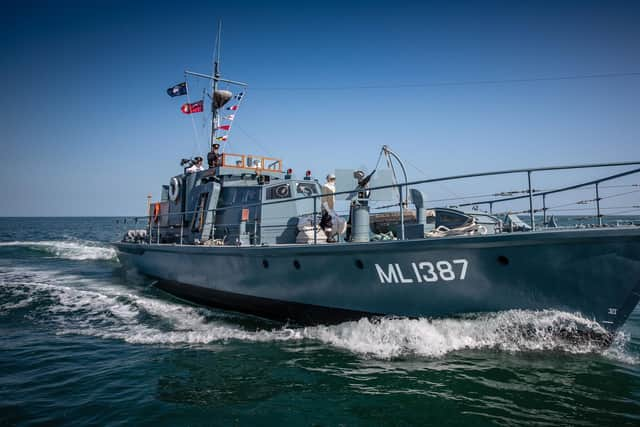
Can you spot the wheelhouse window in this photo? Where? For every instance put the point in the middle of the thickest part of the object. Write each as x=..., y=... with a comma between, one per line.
x=234, y=196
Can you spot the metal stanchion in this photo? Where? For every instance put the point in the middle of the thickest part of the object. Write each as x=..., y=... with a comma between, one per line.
x=181, y=227
x=531, y=213
x=315, y=214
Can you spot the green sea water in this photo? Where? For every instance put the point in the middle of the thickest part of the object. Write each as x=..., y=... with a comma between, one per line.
x=84, y=342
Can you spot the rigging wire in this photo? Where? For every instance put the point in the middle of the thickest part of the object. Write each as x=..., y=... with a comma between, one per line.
x=626, y=212
x=591, y=209
x=193, y=120
x=207, y=118
x=393, y=170
x=456, y=83
x=462, y=198
x=619, y=194
x=440, y=184
x=620, y=186
x=379, y=158
x=579, y=202
x=584, y=202
x=605, y=186
x=252, y=139
x=585, y=188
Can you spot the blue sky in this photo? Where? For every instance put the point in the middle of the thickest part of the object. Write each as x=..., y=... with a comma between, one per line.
x=89, y=130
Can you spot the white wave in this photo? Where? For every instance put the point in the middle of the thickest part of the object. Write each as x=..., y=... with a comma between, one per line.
x=184, y=324
x=104, y=310
x=70, y=249
x=513, y=330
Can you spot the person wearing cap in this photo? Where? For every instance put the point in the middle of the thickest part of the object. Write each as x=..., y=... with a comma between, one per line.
x=196, y=166
x=214, y=158
x=328, y=189
x=329, y=220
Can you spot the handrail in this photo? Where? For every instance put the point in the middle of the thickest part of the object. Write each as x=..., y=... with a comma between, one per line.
x=262, y=164
x=502, y=172
x=557, y=190
x=431, y=180
x=530, y=193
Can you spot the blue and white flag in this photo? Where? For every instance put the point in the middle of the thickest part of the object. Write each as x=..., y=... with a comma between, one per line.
x=177, y=90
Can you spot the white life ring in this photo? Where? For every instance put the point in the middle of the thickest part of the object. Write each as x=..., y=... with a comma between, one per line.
x=174, y=189
x=282, y=191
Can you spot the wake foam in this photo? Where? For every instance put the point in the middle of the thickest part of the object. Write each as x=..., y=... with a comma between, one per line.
x=69, y=249
x=76, y=305
x=513, y=330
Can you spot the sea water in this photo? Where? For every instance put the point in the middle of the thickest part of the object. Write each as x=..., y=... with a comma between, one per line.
x=83, y=341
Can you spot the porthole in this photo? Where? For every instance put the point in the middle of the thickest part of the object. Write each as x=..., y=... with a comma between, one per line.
x=503, y=260
x=265, y=263
x=359, y=264
x=296, y=264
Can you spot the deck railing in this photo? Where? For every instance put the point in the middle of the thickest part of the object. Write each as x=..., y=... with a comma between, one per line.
x=250, y=161
x=154, y=221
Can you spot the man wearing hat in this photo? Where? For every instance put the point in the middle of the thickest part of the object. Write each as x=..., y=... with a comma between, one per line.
x=328, y=189
x=214, y=158
x=330, y=222
x=196, y=166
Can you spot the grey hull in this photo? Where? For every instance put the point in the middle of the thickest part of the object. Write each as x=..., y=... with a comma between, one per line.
x=594, y=272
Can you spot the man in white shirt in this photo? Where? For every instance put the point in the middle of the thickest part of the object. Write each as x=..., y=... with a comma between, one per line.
x=331, y=223
x=327, y=190
x=196, y=166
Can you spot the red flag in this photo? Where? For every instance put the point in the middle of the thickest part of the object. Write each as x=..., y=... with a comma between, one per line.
x=224, y=127
x=196, y=107
x=232, y=108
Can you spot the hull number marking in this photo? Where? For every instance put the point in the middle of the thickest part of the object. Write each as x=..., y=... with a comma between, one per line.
x=424, y=272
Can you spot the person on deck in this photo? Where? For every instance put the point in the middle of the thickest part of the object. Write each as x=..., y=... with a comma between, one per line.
x=214, y=158
x=196, y=166
x=327, y=190
x=328, y=201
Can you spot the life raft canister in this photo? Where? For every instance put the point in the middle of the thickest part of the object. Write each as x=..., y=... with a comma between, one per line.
x=156, y=212
x=174, y=189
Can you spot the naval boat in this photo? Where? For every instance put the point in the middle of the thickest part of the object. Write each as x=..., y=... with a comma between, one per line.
x=247, y=235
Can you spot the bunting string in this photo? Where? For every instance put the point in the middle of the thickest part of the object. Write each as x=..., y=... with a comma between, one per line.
x=223, y=131
x=223, y=127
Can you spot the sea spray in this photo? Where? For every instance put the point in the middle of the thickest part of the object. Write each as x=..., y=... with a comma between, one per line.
x=74, y=305
x=79, y=250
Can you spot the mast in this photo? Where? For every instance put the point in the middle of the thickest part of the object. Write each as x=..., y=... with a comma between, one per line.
x=215, y=80
x=214, y=87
